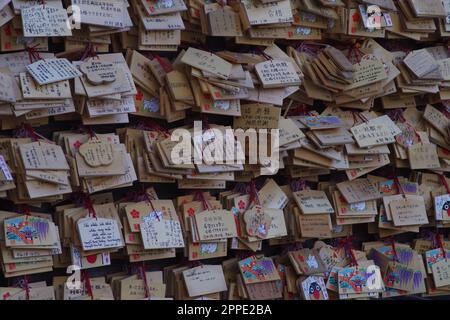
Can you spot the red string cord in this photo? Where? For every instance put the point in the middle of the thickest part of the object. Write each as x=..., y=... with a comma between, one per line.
x=87, y=284
x=394, y=249
x=445, y=183
x=89, y=51
x=254, y=196
x=27, y=287
x=33, y=54
x=440, y=244
x=199, y=196
x=348, y=247
x=144, y=278
x=355, y=52
x=89, y=206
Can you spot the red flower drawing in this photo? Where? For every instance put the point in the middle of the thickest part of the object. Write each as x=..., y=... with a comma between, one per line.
x=241, y=205
x=191, y=212
x=77, y=144
x=134, y=214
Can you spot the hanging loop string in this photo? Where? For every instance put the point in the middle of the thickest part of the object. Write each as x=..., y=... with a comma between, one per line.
x=363, y=117
x=150, y=125
x=167, y=67
x=436, y=240
x=241, y=255
x=86, y=130
x=27, y=131
x=346, y=243
x=299, y=110
x=311, y=48
x=446, y=111
x=138, y=196
x=265, y=55
x=445, y=183
x=32, y=133
x=292, y=247
x=33, y=54
x=89, y=52
x=91, y=133
x=193, y=264
x=240, y=188
x=144, y=278
x=89, y=206
x=205, y=123
x=355, y=52
x=145, y=194
x=394, y=249
x=87, y=284
x=399, y=187
x=254, y=195
x=288, y=108
x=26, y=210
x=142, y=195
x=164, y=64
x=126, y=267
x=440, y=244
x=199, y=196
x=359, y=117
x=397, y=116
x=26, y=286
x=150, y=201
x=202, y=46
x=236, y=214
x=298, y=185
x=355, y=118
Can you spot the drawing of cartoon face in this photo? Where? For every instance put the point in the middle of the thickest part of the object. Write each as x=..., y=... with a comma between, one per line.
x=262, y=230
x=312, y=262
x=386, y=188
x=446, y=208
x=357, y=284
x=391, y=278
x=315, y=290
x=28, y=234
x=374, y=17
x=313, y=120
x=359, y=206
